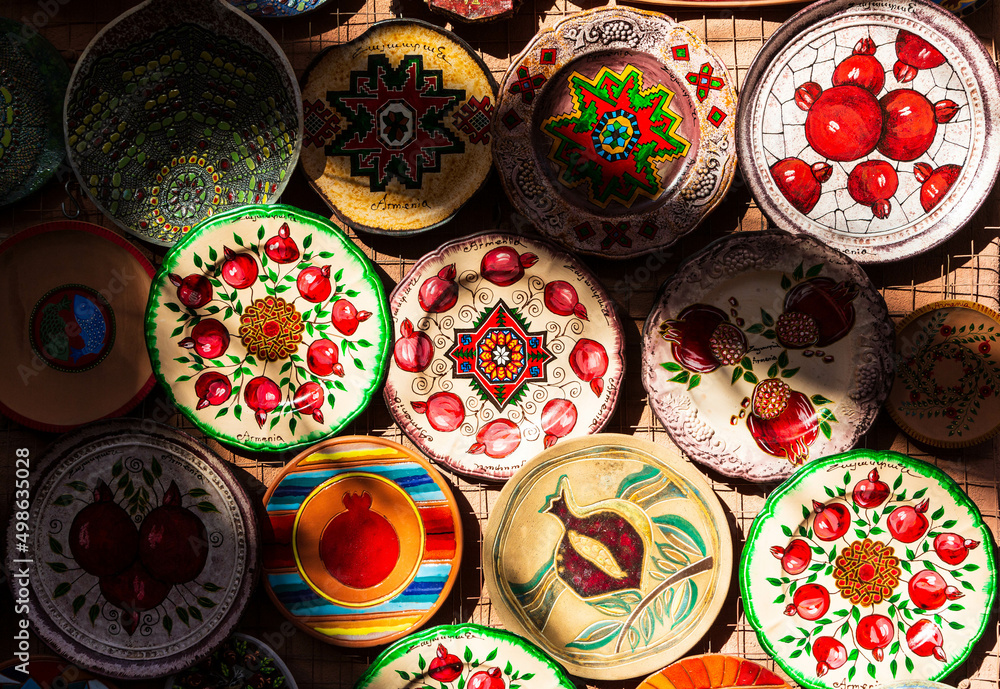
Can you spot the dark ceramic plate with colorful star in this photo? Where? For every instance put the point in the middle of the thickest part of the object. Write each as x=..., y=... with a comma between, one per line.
x=179, y=109
x=614, y=131
x=868, y=567
x=242, y=662
x=277, y=9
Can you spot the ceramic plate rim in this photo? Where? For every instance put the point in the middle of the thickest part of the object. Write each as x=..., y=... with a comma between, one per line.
x=296, y=15
x=279, y=663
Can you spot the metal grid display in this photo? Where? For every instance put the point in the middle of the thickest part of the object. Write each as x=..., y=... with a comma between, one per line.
x=968, y=266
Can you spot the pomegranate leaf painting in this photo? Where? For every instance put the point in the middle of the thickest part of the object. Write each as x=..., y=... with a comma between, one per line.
x=767, y=350
x=269, y=327
x=868, y=567
x=504, y=346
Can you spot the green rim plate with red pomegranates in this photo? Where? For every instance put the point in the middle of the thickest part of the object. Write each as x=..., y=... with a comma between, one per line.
x=764, y=350
x=947, y=379
x=268, y=327
x=145, y=549
x=242, y=662
x=610, y=552
x=868, y=567
x=464, y=655
x=505, y=345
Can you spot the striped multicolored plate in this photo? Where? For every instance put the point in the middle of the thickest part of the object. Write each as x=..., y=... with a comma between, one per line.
x=713, y=671
x=362, y=541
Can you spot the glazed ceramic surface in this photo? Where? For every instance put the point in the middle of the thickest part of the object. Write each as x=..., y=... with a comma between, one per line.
x=178, y=109
x=33, y=77
x=504, y=346
x=766, y=350
x=48, y=671
x=947, y=377
x=269, y=327
x=277, y=8
x=72, y=296
x=614, y=131
x=448, y=657
x=611, y=553
x=868, y=567
x=475, y=11
x=242, y=662
x=146, y=549
x=362, y=543
x=870, y=126
x=713, y=671
x=398, y=126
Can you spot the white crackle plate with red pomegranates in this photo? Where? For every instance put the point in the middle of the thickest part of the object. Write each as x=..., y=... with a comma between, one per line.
x=268, y=327
x=868, y=567
x=504, y=346
x=612, y=553
x=145, y=549
x=766, y=350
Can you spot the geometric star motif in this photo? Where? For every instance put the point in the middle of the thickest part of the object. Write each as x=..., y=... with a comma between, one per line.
x=704, y=80
x=474, y=119
x=320, y=123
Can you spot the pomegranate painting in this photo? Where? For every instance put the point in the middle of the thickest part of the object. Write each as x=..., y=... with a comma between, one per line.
x=359, y=546
x=504, y=266
x=782, y=421
x=703, y=339
x=439, y=292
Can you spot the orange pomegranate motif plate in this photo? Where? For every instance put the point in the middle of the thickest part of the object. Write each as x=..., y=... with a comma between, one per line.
x=713, y=671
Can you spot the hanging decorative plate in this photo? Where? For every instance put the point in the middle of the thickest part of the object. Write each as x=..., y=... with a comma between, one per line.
x=713, y=671
x=871, y=126
x=398, y=126
x=614, y=132
x=242, y=662
x=362, y=542
x=279, y=9
x=72, y=296
x=464, y=655
x=44, y=672
x=611, y=553
x=268, y=327
x=868, y=567
x=475, y=11
x=33, y=77
x=948, y=380
x=504, y=345
x=145, y=549
x=178, y=109
x=766, y=350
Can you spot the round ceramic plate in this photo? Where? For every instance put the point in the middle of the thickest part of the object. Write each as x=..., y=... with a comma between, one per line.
x=398, y=126
x=463, y=655
x=611, y=553
x=72, y=296
x=145, y=548
x=871, y=126
x=765, y=350
x=713, y=671
x=362, y=543
x=614, y=132
x=48, y=672
x=269, y=327
x=33, y=77
x=504, y=345
x=267, y=9
x=242, y=662
x=475, y=11
x=868, y=567
x=177, y=109
x=948, y=380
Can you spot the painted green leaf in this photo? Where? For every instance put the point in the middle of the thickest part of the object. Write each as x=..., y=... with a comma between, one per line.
x=819, y=399
x=671, y=366
x=750, y=378
x=788, y=373
x=693, y=383
x=785, y=282
x=62, y=589
x=797, y=273
x=78, y=603
x=773, y=371
x=681, y=377
x=766, y=318
x=63, y=500
x=206, y=506
x=55, y=546
x=596, y=635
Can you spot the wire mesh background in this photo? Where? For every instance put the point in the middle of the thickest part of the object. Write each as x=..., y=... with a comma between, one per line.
x=965, y=267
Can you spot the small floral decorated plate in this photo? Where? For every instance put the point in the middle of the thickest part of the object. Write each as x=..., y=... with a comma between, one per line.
x=947, y=379
x=280, y=9
x=765, y=350
x=504, y=346
x=868, y=567
x=611, y=553
x=713, y=671
x=269, y=327
x=242, y=662
x=48, y=672
x=362, y=542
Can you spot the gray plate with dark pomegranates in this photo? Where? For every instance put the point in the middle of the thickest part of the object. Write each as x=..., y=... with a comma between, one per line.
x=868, y=568
x=504, y=345
x=766, y=350
x=146, y=549
x=871, y=126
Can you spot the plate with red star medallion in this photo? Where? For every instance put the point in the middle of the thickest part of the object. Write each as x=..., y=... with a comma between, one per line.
x=504, y=346
x=614, y=131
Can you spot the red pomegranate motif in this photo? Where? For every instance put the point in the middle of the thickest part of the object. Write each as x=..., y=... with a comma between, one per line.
x=212, y=388
x=173, y=542
x=874, y=633
x=561, y=299
x=914, y=54
x=929, y=591
x=924, y=638
x=239, y=270
x=194, y=291
x=910, y=123
x=934, y=184
x=322, y=358
x=872, y=183
x=908, y=524
x=832, y=521
x=829, y=654
x=799, y=182
x=308, y=400
x=497, y=439
x=438, y=293
x=345, y=317
x=413, y=350
x=503, y=266
x=782, y=421
x=487, y=679
x=558, y=419
x=810, y=602
x=262, y=395
x=861, y=69
x=444, y=667
x=589, y=361
x=445, y=411
x=314, y=283
x=952, y=548
x=702, y=339
x=209, y=339
x=102, y=538
x=133, y=591
x=359, y=547
x=871, y=492
x=844, y=122
x=795, y=557
x=281, y=248
x=817, y=313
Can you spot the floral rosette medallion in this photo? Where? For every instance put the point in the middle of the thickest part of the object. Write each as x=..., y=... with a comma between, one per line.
x=362, y=541
x=947, y=378
x=269, y=327
x=614, y=131
x=464, y=655
x=767, y=350
x=276, y=9
x=871, y=126
x=177, y=110
x=611, y=553
x=713, y=671
x=242, y=662
x=398, y=126
x=504, y=346
x=868, y=567
x=145, y=548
